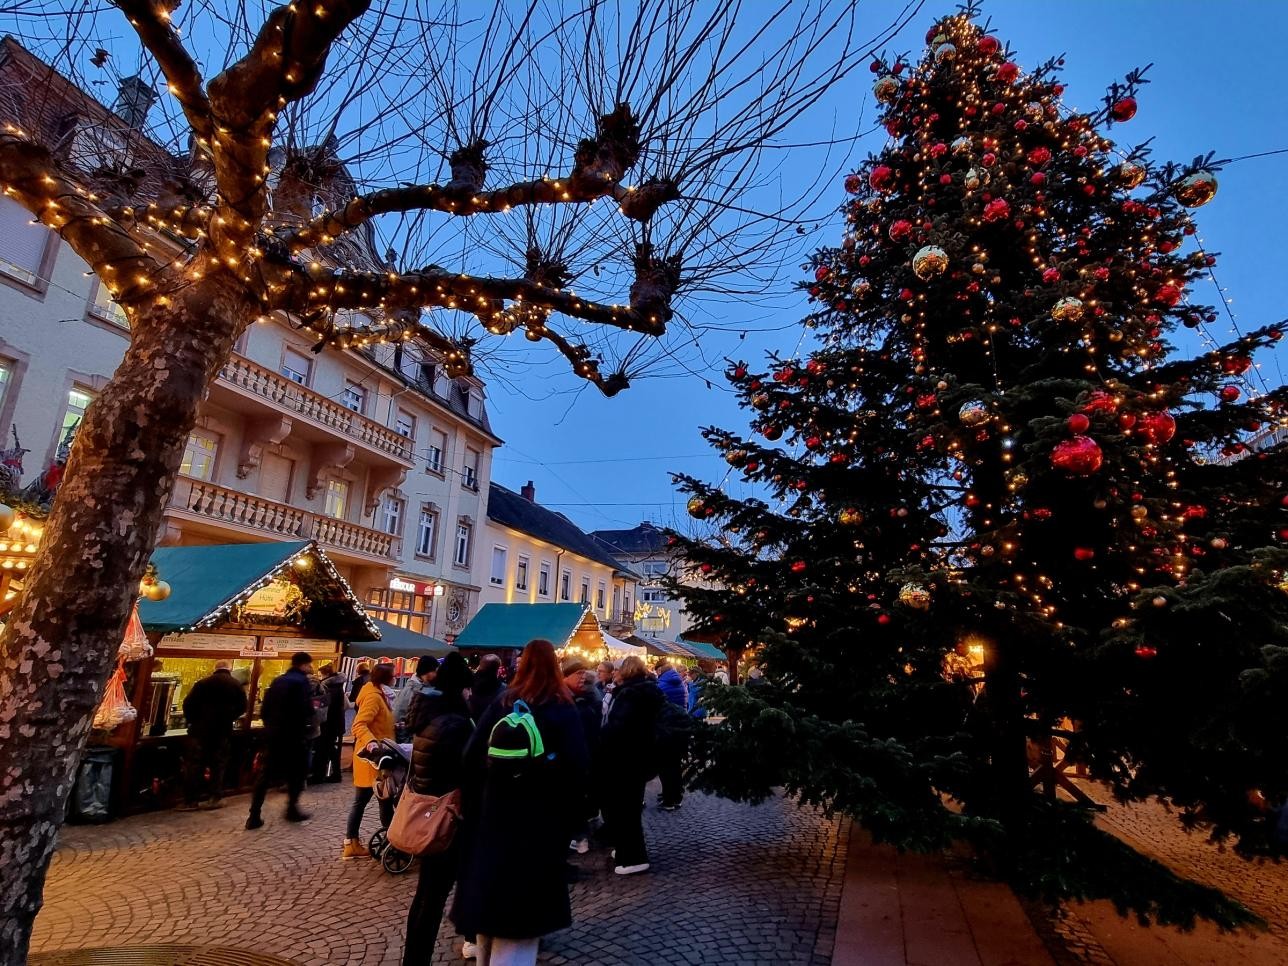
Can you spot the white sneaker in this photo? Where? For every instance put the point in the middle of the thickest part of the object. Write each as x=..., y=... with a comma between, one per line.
x=469, y=951
x=631, y=869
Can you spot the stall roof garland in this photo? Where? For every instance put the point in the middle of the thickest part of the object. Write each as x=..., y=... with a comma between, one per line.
x=211, y=582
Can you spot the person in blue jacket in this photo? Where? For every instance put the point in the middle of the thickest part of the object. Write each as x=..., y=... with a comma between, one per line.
x=672, y=685
x=697, y=682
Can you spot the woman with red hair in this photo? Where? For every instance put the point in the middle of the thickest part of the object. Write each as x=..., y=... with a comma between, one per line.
x=526, y=765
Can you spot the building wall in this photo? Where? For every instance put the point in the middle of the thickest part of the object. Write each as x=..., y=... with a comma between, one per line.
x=510, y=590
x=657, y=613
x=53, y=340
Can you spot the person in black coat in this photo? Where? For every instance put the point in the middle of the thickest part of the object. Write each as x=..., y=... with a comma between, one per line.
x=487, y=685
x=512, y=888
x=211, y=708
x=287, y=712
x=626, y=756
x=326, y=749
x=441, y=726
x=585, y=695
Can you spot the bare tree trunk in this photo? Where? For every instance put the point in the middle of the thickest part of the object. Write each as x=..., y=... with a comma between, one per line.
x=1010, y=760
x=62, y=639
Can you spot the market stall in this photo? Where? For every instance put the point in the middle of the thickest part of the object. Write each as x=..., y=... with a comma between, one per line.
x=397, y=646
x=253, y=605
x=507, y=628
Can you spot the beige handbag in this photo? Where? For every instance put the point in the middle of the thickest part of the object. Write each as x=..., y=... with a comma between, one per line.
x=425, y=824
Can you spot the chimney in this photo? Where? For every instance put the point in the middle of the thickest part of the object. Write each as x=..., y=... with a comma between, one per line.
x=529, y=492
x=134, y=99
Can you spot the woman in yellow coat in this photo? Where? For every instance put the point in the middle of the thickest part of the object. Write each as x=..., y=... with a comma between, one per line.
x=374, y=720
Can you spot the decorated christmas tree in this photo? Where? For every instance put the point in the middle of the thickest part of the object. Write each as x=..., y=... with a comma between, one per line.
x=1003, y=523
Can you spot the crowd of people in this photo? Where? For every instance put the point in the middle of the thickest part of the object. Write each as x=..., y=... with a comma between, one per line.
x=589, y=741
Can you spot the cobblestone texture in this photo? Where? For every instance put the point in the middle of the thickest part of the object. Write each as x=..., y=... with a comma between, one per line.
x=731, y=884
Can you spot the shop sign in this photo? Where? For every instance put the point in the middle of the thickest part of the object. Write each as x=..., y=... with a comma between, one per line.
x=289, y=645
x=406, y=586
x=280, y=599
x=266, y=651
x=207, y=642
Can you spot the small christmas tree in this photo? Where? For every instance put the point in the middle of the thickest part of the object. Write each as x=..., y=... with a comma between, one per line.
x=1009, y=519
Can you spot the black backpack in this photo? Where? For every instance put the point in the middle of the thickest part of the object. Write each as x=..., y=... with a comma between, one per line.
x=673, y=725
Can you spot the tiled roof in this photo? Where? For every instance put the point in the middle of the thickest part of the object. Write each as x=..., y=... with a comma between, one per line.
x=641, y=540
x=509, y=509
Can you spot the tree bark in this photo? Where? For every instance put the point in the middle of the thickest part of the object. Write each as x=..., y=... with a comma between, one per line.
x=61, y=641
x=1009, y=752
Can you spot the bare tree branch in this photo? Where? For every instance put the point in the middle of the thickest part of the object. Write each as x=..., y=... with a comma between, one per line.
x=151, y=20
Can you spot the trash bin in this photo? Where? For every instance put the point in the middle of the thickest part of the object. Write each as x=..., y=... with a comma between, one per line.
x=91, y=799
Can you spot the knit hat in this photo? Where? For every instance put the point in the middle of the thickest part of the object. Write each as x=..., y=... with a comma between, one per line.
x=571, y=665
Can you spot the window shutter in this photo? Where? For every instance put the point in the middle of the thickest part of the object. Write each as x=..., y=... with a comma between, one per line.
x=22, y=244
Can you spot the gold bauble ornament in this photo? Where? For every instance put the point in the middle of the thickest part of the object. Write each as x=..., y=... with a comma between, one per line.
x=1130, y=174
x=978, y=268
x=7, y=517
x=850, y=517
x=697, y=507
x=1068, y=309
x=915, y=596
x=156, y=590
x=976, y=178
x=1139, y=512
x=886, y=89
x=1196, y=190
x=930, y=260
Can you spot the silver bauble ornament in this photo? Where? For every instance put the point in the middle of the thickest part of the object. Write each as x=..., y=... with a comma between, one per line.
x=976, y=178
x=974, y=412
x=961, y=145
x=929, y=261
x=915, y=596
x=861, y=287
x=1068, y=309
x=945, y=52
x=1130, y=174
x=886, y=89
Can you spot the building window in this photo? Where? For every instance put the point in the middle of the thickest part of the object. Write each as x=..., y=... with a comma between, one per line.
x=355, y=396
x=498, y=566
x=470, y=478
x=78, y=401
x=462, y=555
x=521, y=573
x=543, y=579
x=391, y=515
x=6, y=378
x=565, y=585
x=656, y=568
x=427, y=532
x=22, y=244
x=653, y=596
x=106, y=308
x=337, y=499
x=601, y=592
x=585, y=590
x=402, y=607
x=474, y=406
x=405, y=424
x=199, y=456
x=437, y=449
x=296, y=366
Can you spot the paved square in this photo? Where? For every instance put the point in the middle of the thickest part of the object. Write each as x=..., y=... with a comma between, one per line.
x=731, y=884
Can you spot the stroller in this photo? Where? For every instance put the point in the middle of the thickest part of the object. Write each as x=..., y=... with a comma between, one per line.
x=392, y=762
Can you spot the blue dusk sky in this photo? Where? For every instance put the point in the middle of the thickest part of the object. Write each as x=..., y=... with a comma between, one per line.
x=1216, y=86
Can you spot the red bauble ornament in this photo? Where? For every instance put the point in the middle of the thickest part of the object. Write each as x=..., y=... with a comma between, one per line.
x=883, y=619
x=945, y=179
x=1080, y=455
x=988, y=160
x=1236, y=365
x=813, y=442
x=1008, y=71
x=1126, y=421
x=772, y=432
x=1099, y=401
x=876, y=67
x=853, y=184
x=822, y=272
x=1039, y=156
x=997, y=210
x=900, y=230
x=740, y=371
x=1229, y=393
x=1078, y=423
x=1051, y=275
x=1168, y=295
x=938, y=150
x=1083, y=553
x=998, y=108
x=1124, y=109
x=882, y=177
x=1145, y=652
x=785, y=374
x=1157, y=427
x=799, y=566
x=988, y=45
x=1038, y=178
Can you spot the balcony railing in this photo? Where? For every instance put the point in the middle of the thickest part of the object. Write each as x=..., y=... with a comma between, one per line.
x=292, y=397
x=245, y=511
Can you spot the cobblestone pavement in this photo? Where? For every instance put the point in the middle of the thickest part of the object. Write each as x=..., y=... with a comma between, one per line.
x=730, y=884
x=1097, y=935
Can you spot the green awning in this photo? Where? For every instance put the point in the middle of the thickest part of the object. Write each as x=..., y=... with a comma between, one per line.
x=702, y=651
x=206, y=580
x=398, y=641
x=512, y=626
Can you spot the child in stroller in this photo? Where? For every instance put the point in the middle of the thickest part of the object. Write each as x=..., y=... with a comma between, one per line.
x=392, y=762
